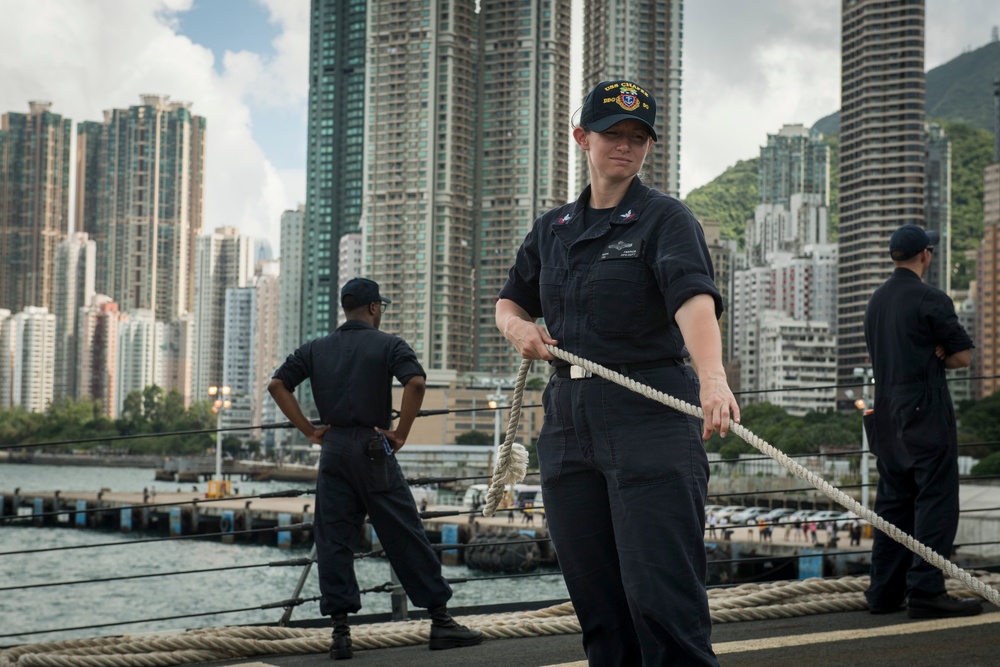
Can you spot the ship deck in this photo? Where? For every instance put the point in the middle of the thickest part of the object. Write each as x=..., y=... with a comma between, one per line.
x=822, y=640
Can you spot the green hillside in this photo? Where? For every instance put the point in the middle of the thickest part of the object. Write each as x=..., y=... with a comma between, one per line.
x=730, y=198
x=971, y=151
x=962, y=88
x=959, y=90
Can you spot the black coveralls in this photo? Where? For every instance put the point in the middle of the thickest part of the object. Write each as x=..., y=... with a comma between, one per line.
x=624, y=477
x=912, y=432
x=351, y=373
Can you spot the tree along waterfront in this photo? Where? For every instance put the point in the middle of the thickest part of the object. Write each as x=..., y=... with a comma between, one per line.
x=153, y=411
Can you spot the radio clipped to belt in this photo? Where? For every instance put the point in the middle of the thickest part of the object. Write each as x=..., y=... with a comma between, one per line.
x=377, y=448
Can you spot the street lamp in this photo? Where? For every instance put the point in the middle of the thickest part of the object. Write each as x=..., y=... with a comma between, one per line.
x=863, y=403
x=221, y=396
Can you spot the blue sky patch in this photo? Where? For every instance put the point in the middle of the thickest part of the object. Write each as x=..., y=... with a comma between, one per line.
x=229, y=25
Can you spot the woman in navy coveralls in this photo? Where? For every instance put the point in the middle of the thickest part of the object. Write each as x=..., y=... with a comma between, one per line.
x=623, y=277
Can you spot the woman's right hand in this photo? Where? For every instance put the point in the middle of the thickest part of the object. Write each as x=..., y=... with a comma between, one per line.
x=529, y=338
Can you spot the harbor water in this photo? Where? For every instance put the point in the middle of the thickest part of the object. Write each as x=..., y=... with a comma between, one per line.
x=188, y=600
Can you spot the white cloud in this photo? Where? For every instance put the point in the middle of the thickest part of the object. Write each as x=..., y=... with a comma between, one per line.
x=749, y=68
x=86, y=56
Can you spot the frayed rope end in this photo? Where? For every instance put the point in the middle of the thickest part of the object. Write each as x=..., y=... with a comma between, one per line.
x=517, y=467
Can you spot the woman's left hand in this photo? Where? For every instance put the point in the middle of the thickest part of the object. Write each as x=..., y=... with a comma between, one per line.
x=698, y=324
x=718, y=404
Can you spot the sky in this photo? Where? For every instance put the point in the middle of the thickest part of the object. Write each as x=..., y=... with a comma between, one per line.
x=748, y=68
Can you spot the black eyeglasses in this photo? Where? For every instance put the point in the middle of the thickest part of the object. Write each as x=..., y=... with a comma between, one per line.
x=930, y=249
x=382, y=305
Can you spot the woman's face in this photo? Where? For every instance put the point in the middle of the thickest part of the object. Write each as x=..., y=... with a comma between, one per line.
x=618, y=152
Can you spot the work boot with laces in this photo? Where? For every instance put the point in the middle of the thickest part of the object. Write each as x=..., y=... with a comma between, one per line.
x=446, y=633
x=340, y=649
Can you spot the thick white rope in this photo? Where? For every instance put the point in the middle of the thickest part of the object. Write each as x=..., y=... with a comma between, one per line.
x=835, y=494
x=512, y=459
x=748, y=602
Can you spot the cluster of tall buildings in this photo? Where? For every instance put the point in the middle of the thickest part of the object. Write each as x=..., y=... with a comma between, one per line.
x=798, y=299
x=136, y=295
x=438, y=131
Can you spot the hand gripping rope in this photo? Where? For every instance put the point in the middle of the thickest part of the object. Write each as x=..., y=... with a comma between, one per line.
x=511, y=467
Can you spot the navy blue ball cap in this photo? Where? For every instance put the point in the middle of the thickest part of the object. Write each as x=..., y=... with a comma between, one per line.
x=910, y=240
x=360, y=292
x=612, y=102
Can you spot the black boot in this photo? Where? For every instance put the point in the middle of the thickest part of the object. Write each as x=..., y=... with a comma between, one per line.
x=446, y=633
x=340, y=649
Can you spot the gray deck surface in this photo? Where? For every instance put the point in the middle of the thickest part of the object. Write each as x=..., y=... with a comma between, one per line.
x=844, y=639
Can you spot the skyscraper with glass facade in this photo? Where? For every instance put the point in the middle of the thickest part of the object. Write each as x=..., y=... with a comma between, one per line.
x=339, y=98
x=794, y=161
x=640, y=40
x=456, y=116
x=34, y=203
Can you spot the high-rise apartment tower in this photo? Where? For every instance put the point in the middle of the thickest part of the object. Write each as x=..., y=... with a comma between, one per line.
x=34, y=203
x=466, y=139
x=986, y=359
x=139, y=195
x=882, y=152
x=640, y=40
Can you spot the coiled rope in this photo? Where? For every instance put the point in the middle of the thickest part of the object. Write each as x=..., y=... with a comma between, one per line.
x=748, y=602
x=835, y=494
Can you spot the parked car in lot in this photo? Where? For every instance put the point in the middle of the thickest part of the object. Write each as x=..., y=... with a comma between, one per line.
x=825, y=515
x=777, y=515
x=797, y=517
x=712, y=509
x=748, y=515
x=728, y=511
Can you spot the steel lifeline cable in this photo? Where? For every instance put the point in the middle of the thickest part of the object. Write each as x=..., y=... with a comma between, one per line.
x=508, y=468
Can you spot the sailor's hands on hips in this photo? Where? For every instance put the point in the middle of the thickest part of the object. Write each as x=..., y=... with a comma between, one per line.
x=316, y=437
x=718, y=404
x=394, y=440
x=529, y=338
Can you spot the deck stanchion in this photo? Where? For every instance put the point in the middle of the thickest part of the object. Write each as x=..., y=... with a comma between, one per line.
x=176, y=522
x=81, y=514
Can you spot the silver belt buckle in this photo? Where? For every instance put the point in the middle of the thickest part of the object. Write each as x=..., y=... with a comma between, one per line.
x=579, y=372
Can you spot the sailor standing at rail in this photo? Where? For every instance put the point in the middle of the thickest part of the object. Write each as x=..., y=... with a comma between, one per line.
x=913, y=335
x=623, y=278
x=351, y=373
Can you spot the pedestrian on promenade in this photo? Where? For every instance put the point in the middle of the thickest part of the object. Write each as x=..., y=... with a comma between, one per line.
x=351, y=373
x=712, y=520
x=623, y=277
x=855, y=533
x=913, y=335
